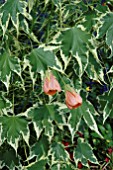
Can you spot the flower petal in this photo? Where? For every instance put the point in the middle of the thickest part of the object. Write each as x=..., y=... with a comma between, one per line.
x=73, y=100
x=70, y=98
x=51, y=85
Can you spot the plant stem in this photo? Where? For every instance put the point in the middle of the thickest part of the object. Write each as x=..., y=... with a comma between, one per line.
x=13, y=103
x=60, y=14
x=26, y=153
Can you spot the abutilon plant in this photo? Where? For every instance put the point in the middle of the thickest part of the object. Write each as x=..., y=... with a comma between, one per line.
x=56, y=84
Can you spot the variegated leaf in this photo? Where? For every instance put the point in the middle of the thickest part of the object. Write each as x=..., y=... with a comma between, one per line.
x=39, y=60
x=88, y=113
x=106, y=29
x=94, y=69
x=109, y=39
x=106, y=102
x=74, y=121
x=77, y=81
x=42, y=119
x=106, y=22
x=40, y=148
x=8, y=64
x=25, y=27
x=9, y=158
x=4, y=103
x=83, y=152
x=63, y=166
x=11, y=10
x=13, y=129
x=38, y=165
x=31, y=3
x=58, y=153
x=89, y=19
x=75, y=42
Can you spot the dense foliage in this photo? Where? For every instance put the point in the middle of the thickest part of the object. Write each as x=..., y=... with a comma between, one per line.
x=40, y=127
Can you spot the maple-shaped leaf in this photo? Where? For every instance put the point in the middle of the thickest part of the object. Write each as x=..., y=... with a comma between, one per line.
x=89, y=19
x=87, y=111
x=74, y=121
x=9, y=158
x=4, y=103
x=75, y=42
x=63, y=166
x=31, y=3
x=24, y=25
x=40, y=148
x=106, y=103
x=106, y=23
x=94, y=69
x=11, y=10
x=58, y=153
x=13, y=128
x=39, y=60
x=43, y=117
x=83, y=152
x=8, y=64
x=38, y=165
x=106, y=29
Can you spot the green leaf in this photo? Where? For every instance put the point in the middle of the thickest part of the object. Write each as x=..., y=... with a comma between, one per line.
x=25, y=27
x=31, y=3
x=46, y=2
x=49, y=129
x=106, y=29
x=83, y=152
x=40, y=148
x=71, y=42
x=8, y=64
x=4, y=103
x=106, y=102
x=9, y=158
x=58, y=153
x=74, y=121
x=77, y=81
x=109, y=39
x=94, y=69
x=42, y=119
x=39, y=61
x=13, y=129
x=106, y=23
x=102, y=9
x=88, y=113
x=89, y=19
x=11, y=10
x=57, y=2
x=38, y=165
x=62, y=167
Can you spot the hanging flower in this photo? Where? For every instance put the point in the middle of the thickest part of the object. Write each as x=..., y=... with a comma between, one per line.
x=51, y=85
x=73, y=100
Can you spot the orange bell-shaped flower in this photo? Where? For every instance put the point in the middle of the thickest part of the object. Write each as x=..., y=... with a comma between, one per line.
x=51, y=85
x=73, y=100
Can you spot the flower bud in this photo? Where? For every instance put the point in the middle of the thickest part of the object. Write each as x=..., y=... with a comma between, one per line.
x=51, y=85
x=73, y=100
